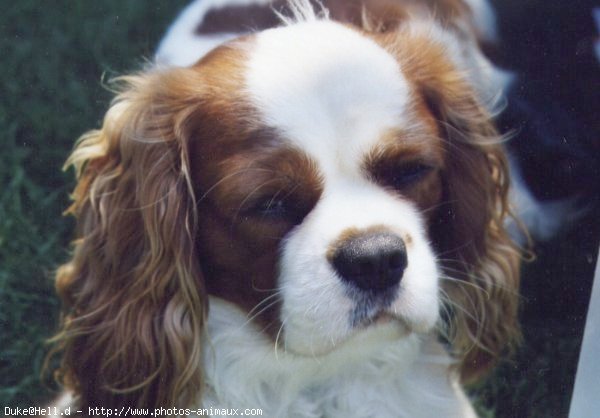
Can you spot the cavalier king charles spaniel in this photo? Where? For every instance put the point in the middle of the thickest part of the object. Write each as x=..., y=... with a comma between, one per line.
x=309, y=219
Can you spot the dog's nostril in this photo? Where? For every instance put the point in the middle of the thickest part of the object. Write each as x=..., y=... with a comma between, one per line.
x=397, y=259
x=371, y=261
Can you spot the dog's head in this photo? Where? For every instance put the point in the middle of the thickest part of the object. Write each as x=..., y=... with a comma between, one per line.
x=323, y=179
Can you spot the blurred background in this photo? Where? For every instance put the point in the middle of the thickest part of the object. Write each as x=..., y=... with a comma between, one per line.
x=55, y=56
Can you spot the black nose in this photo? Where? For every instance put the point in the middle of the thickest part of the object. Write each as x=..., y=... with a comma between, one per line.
x=372, y=261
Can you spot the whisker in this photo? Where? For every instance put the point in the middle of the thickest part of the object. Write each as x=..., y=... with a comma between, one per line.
x=227, y=177
x=489, y=285
x=437, y=206
x=258, y=306
x=467, y=283
x=258, y=313
x=277, y=338
x=460, y=247
x=454, y=304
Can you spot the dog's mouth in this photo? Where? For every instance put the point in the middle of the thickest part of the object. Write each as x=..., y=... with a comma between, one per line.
x=382, y=327
x=373, y=320
x=372, y=310
x=379, y=327
x=378, y=318
x=381, y=318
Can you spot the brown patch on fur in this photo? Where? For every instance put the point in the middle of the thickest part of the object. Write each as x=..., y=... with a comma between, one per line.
x=379, y=16
x=418, y=144
x=239, y=18
x=239, y=247
x=384, y=16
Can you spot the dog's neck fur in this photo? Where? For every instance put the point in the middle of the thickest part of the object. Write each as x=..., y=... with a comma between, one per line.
x=383, y=372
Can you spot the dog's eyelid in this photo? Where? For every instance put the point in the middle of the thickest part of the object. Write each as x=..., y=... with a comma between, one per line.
x=280, y=206
x=415, y=166
x=403, y=174
x=410, y=172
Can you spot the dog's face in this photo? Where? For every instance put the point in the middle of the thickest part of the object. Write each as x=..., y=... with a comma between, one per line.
x=314, y=212
x=322, y=179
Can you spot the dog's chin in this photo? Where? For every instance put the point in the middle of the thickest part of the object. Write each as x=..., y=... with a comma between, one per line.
x=381, y=328
x=382, y=318
x=373, y=333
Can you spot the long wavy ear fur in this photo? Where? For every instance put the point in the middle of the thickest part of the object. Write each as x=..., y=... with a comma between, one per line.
x=133, y=296
x=481, y=263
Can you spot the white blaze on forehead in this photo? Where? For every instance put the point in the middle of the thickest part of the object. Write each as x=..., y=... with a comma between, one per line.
x=331, y=90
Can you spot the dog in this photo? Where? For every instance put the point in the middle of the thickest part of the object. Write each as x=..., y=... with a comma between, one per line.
x=306, y=219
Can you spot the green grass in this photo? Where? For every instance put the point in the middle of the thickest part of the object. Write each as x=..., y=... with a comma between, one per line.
x=54, y=56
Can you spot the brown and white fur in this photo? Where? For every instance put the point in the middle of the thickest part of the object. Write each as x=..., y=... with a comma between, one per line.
x=280, y=224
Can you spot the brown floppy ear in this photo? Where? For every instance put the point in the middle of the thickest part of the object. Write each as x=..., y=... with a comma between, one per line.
x=133, y=295
x=480, y=261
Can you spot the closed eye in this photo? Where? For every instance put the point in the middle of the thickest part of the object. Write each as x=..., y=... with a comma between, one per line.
x=403, y=176
x=275, y=208
x=278, y=208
